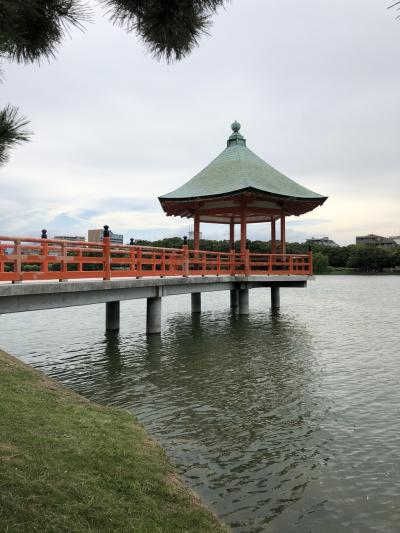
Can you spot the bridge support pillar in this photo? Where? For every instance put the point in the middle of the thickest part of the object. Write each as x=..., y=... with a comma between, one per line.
x=243, y=301
x=112, y=316
x=153, y=322
x=234, y=298
x=275, y=298
x=196, y=302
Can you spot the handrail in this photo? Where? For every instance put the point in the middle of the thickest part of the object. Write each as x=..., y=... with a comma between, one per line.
x=83, y=243
x=29, y=258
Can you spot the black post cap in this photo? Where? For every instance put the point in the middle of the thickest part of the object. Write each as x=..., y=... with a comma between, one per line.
x=132, y=241
x=185, y=239
x=44, y=234
x=106, y=232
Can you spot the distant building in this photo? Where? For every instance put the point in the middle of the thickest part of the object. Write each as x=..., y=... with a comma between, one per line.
x=323, y=241
x=377, y=240
x=96, y=235
x=396, y=239
x=69, y=238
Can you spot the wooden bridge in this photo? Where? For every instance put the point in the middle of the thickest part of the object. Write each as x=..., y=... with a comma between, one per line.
x=91, y=272
x=30, y=259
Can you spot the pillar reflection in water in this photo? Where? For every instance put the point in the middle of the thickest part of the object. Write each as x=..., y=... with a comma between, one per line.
x=233, y=394
x=112, y=352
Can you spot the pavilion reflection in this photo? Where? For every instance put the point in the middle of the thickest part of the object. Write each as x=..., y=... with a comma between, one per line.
x=237, y=393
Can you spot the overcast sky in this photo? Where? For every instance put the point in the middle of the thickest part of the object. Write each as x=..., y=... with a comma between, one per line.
x=315, y=85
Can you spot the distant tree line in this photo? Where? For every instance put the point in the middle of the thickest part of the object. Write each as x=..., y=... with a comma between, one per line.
x=362, y=258
x=355, y=257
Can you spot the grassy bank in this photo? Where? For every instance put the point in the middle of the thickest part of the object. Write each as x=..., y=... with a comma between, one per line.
x=67, y=464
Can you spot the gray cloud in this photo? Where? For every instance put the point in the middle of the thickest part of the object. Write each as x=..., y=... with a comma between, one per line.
x=315, y=85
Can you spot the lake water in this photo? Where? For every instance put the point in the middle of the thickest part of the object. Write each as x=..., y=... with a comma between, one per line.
x=283, y=422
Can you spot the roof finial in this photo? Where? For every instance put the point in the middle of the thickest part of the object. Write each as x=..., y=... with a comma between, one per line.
x=235, y=126
x=236, y=138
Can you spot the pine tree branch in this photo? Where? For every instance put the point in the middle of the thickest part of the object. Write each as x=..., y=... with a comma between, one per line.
x=169, y=28
x=12, y=131
x=397, y=6
x=33, y=29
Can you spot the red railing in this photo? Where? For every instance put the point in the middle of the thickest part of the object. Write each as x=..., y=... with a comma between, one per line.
x=23, y=259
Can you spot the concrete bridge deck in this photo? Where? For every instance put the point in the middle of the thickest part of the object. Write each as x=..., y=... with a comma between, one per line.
x=33, y=296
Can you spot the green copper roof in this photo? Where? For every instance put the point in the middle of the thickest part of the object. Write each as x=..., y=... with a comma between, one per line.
x=238, y=168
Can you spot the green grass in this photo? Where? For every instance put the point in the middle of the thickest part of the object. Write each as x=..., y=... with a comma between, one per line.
x=69, y=465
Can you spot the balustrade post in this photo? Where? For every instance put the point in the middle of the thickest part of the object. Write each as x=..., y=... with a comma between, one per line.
x=139, y=263
x=291, y=270
x=63, y=263
x=203, y=263
x=162, y=264
x=232, y=257
x=310, y=261
x=18, y=260
x=132, y=255
x=185, y=249
x=270, y=264
x=106, y=253
x=218, y=264
x=44, y=267
x=80, y=260
x=247, y=270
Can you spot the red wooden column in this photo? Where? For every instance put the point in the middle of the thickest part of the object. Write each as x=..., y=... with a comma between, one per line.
x=243, y=231
x=106, y=254
x=231, y=234
x=273, y=235
x=196, y=240
x=283, y=234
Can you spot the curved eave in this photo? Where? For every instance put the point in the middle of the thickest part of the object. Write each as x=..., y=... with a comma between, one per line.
x=290, y=205
x=240, y=191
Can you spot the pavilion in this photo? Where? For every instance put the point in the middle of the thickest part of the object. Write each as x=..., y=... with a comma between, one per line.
x=238, y=187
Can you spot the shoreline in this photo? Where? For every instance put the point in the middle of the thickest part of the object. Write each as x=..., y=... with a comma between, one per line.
x=345, y=272
x=70, y=464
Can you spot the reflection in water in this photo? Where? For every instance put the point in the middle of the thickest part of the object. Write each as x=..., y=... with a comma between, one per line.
x=283, y=421
x=244, y=393
x=230, y=398
x=112, y=354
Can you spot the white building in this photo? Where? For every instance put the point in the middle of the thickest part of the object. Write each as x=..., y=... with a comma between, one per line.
x=322, y=241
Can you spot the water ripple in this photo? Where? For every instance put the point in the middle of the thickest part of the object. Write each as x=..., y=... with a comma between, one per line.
x=283, y=422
